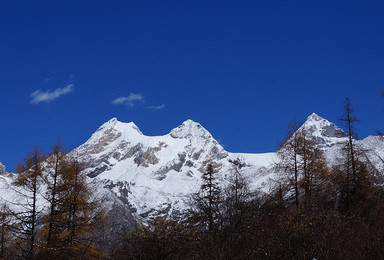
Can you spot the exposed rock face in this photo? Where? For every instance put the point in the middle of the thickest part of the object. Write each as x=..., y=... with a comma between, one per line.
x=325, y=133
x=147, y=157
x=119, y=220
x=159, y=172
x=174, y=165
x=145, y=177
x=155, y=175
x=190, y=130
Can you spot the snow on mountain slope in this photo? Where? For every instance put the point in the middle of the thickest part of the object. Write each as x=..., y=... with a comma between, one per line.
x=373, y=146
x=324, y=133
x=156, y=174
x=149, y=176
x=10, y=195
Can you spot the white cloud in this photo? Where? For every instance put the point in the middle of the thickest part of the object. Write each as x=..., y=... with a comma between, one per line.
x=129, y=100
x=155, y=108
x=39, y=96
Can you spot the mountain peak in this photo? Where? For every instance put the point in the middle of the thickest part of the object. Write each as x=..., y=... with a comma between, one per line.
x=127, y=127
x=314, y=117
x=112, y=120
x=188, y=129
x=324, y=132
x=317, y=121
x=190, y=123
x=113, y=123
x=109, y=124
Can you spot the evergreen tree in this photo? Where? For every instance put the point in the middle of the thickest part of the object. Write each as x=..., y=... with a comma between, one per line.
x=205, y=213
x=210, y=197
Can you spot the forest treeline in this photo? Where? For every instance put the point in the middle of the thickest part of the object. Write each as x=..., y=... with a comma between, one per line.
x=65, y=227
x=315, y=210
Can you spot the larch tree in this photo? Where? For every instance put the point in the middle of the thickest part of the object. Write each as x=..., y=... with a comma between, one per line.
x=303, y=166
x=347, y=171
x=239, y=203
x=30, y=179
x=355, y=177
x=162, y=238
x=289, y=159
x=239, y=207
x=55, y=166
x=80, y=211
x=314, y=169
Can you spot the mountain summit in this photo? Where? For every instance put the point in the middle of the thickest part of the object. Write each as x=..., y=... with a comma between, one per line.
x=190, y=129
x=325, y=133
x=145, y=177
x=154, y=175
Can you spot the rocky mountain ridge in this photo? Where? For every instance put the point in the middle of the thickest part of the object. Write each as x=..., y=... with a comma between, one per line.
x=155, y=175
x=143, y=177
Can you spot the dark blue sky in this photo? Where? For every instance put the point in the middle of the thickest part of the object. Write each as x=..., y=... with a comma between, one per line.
x=242, y=69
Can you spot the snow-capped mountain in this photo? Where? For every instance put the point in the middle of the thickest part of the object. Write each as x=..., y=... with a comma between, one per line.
x=156, y=175
x=323, y=132
x=147, y=176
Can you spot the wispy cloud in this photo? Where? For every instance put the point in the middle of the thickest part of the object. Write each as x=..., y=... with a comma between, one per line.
x=39, y=96
x=129, y=100
x=156, y=108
